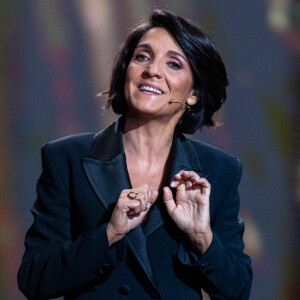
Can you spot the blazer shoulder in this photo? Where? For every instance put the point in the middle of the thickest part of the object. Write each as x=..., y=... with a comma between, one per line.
x=215, y=156
x=79, y=144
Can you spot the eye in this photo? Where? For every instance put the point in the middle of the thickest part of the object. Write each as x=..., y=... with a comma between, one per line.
x=141, y=57
x=174, y=65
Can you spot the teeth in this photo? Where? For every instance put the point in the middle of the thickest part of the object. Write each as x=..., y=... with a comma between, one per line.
x=150, y=89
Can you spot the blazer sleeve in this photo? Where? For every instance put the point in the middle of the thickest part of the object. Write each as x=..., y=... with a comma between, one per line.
x=53, y=263
x=223, y=271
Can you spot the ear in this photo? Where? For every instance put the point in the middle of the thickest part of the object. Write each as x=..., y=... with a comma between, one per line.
x=192, y=99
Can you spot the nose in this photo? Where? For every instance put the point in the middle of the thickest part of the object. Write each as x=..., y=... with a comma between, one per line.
x=153, y=69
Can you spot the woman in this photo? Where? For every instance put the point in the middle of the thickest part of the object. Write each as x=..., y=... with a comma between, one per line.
x=138, y=210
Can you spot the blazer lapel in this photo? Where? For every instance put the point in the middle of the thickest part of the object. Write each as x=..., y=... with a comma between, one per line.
x=107, y=172
x=106, y=167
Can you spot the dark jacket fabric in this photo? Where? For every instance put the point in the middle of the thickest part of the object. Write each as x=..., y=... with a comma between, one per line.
x=67, y=252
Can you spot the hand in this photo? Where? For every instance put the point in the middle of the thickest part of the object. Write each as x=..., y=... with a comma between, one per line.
x=129, y=213
x=190, y=210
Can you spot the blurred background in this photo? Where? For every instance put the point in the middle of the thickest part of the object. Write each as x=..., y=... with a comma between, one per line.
x=56, y=56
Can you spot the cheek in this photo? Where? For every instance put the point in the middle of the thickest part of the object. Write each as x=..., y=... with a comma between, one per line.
x=127, y=84
x=127, y=92
x=182, y=85
x=131, y=75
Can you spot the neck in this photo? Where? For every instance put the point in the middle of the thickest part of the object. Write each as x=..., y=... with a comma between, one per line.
x=148, y=140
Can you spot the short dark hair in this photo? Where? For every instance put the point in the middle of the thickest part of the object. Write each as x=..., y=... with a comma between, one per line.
x=209, y=73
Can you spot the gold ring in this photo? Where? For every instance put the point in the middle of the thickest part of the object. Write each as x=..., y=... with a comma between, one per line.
x=132, y=195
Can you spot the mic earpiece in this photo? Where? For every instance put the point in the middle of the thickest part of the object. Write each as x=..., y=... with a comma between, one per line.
x=173, y=101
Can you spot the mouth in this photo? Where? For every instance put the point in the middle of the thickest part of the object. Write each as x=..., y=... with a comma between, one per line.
x=150, y=89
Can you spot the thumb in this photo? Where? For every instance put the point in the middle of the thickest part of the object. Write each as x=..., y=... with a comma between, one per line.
x=168, y=200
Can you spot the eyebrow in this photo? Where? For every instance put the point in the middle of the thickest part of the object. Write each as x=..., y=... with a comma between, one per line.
x=170, y=52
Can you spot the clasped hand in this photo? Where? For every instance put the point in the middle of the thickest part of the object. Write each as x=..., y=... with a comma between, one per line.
x=189, y=210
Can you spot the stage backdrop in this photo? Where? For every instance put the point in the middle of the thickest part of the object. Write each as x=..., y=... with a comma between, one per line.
x=56, y=55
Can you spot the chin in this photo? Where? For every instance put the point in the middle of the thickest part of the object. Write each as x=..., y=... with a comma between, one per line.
x=143, y=113
x=144, y=109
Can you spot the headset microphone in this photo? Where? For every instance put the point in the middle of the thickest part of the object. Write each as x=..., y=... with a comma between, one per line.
x=173, y=101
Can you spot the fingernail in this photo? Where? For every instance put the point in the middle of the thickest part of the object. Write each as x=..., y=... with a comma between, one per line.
x=148, y=205
x=172, y=184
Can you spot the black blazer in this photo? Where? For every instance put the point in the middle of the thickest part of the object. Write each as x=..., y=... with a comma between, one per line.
x=67, y=252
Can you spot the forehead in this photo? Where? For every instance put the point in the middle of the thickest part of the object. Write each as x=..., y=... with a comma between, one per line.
x=160, y=38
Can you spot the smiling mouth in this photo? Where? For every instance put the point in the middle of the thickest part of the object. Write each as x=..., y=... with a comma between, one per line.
x=150, y=89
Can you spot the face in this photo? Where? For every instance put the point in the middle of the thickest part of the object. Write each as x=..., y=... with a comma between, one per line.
x=158, y=72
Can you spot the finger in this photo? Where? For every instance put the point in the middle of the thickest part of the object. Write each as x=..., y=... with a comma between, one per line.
x=153, y=198
x=135, y=206
x=124, y=193
x=169, y=200
x=188, y=184
x=132, y=203
x=142, y=198
x=203, y=185
x=145, y=190
x=189, y=174
x=181, y=186
x=143, y=195
x=176, y=183
x=154, y=195
x=127, y=205
x=203, y=182
x=183, y=175
x=205, y=191
x=177, y=177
